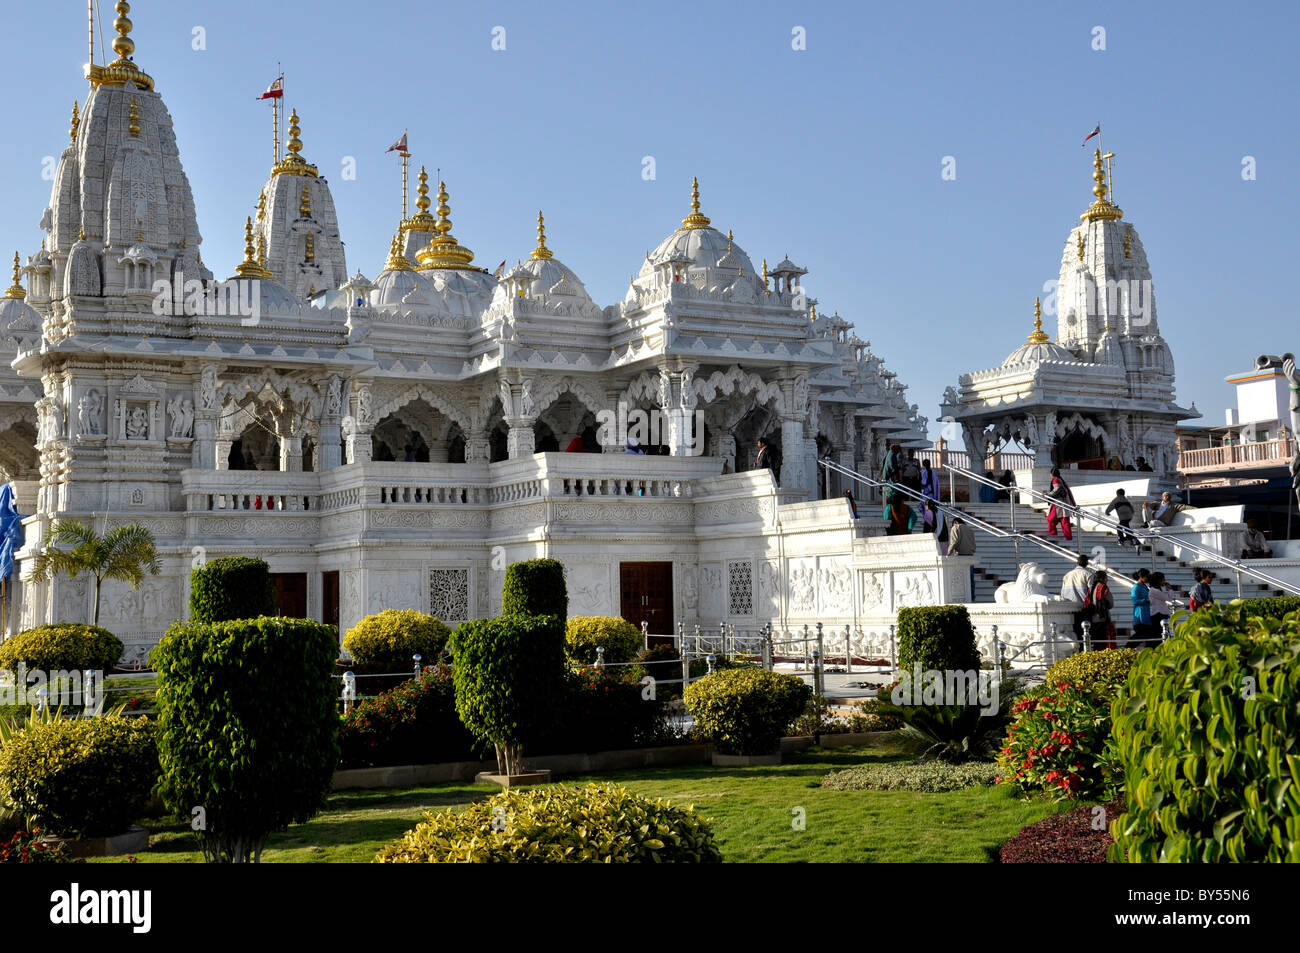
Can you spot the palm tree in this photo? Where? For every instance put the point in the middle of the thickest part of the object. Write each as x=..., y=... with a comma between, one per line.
x=125, y=553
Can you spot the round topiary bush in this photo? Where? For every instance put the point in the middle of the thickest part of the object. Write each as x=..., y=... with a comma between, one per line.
x=63, y=646
x=231, y=587
x=583, y=634
x=80, y=777
x=556, y=824
x=1101, y=672
x=247, y=727
x=1208, y=729
x=535, y=587
x=390, y=639
x=745, y=710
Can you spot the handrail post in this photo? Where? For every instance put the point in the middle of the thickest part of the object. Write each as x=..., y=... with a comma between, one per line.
x=767, y=646
x=645, y=634
x=893, y=653
x=848, y=650
x=1087, y=636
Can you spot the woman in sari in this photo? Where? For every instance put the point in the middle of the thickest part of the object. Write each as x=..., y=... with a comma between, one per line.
x=1059, y=494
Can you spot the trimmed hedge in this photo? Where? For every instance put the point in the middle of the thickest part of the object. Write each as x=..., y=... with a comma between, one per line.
x=1102, y=672
x=231, y=587
x=924, y=776
x=62, y=646
x=414, y=723
x=247, y=727
x=557, y=824
x=583, y=634
x=938, y=638
x=535, y=587
x=510, y=676
x=1274, y=607
x=1208, y=729
x=80, y=777
x=745, y=710
x=391, y=638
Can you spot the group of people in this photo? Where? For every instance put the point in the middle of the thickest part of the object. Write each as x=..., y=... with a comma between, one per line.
x=919, y=477
x=1154, y=601
x=1141, y=466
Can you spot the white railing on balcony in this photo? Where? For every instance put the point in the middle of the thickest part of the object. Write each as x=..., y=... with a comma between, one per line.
x=1276, y=452
x=994, y=462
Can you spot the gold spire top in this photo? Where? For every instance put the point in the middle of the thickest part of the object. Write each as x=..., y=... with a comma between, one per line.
x=444, y=251
x=304, y=207
x=728, y=241
x=1039, y=336
x=261, y=253
x=766, y=289
x=1101, y=209
x=309, y=254
x=76, y=121
x=249, y=267
x=541, y=252
x=293, y=163
x=16, y=291
x=134, y=115
x=1128, y=242
x=421, y=221
x=123, y=69
x=695, y=219
x=396, y=260
x=1078, y=243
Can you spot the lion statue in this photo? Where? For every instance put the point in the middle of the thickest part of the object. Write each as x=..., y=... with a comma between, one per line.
x=1030, y=586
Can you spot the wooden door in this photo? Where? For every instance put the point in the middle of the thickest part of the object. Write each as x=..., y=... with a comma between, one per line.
x=329, y=601
x=647, y=595
x=290, y=594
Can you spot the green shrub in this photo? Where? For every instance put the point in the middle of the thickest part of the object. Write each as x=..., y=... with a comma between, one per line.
x=1059, y=741
x=414, y=723
x=745, y=710
x=391, y=638
x=1208, y=730
x=535, y=587
x=556, y=824
x=938, y=638
x=1274, y=607
x=868, y=716
x=604, y=710
x=583, y=634
x=80, y=777
x=929, y=777
x=247, y=727
x=510, y=676
x=232, y=587
x=63, y=646
x=1100, y=672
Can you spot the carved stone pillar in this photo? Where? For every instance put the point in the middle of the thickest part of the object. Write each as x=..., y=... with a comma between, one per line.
x=208, y=455
x=290, y=453
x=329, y=449
x=521, y=441
x=221, y=449
x=477, y=448
x=727, y=450
x=792, y=451
x=359, y=427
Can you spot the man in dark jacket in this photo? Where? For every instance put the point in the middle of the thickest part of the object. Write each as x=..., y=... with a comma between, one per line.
x=1122, y=507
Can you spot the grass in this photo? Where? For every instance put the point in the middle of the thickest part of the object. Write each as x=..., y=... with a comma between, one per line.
x=753, y=812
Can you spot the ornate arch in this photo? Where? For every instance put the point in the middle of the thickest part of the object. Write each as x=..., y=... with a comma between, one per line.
x=736, y=380
x=437, y=400
x=549, y=389
x=1077, y=421
x=252, y=387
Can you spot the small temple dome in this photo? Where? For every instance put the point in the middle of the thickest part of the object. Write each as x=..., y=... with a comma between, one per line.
x=15, y=313
x=1039, y=349
x=698, y=242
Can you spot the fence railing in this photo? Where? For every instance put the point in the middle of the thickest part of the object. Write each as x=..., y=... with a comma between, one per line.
x=1275, y=452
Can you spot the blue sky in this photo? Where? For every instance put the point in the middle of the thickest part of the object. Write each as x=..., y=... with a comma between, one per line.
x=831, y=154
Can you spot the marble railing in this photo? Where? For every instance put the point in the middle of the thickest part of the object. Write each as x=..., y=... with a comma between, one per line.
x=541, y=476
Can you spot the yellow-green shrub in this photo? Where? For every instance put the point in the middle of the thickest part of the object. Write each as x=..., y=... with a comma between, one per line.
x=555, y=824
x=745, y=710
x=1100, y=672
x=62, y=645
x=583, y=634
x=392, y=637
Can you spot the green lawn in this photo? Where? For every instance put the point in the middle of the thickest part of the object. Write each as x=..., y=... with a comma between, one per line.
x=752, y=811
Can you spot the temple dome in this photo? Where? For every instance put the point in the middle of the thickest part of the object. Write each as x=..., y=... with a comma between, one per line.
x=699, y=243
x=1039, y=354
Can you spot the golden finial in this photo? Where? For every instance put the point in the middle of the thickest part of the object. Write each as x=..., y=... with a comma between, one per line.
x=16, y=291
x=695, y=219
x=261, y=207
x=310, y=253
x=135, y=119
x=1128, y=243
x=1078, y=243
x=728, y=241
x=293, y=163
x=139, y=235
x=396, y=260
x=123, y=69
x=421, y=221
x=261, y=253
x=76, y=121
x=444, y=251
x=541, y=252
x=1039, y=336
x=304, y=207
x=812, y=313
x=249, y=268
x=766, y=289
x=1101, y=208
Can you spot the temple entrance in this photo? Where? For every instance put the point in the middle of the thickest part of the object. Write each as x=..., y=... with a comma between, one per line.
x=1084, y=447
x=290, y=594
x=647, y=595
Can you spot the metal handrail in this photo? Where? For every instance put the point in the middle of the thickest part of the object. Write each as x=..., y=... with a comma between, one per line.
x=986, y=527
x=1151, y=536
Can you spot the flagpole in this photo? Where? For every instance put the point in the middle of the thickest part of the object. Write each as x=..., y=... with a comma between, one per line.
x=405, y=158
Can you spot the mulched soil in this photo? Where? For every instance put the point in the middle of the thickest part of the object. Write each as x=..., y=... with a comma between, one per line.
x=1066, y=838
